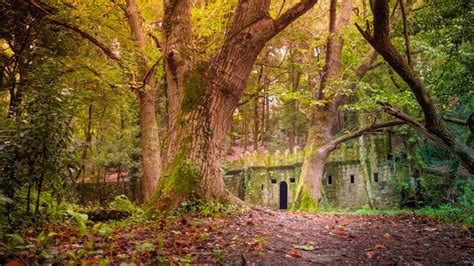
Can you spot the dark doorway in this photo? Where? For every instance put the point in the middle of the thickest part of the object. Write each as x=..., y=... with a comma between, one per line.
x=283, y=195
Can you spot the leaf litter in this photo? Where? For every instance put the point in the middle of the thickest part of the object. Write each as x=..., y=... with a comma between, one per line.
x=258, y=236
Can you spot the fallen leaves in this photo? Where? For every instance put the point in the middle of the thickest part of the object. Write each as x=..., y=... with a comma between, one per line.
x=379, y=246
x=295, y=254
x=264, y=237
x=13, y=263
x=306, y=247
x=370, y=254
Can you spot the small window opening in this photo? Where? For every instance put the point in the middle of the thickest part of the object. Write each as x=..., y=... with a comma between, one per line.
x=274, y=181
x=376, y=177
x=262, y=186
x=352, y=179
x=292, y=180
x=329, y=179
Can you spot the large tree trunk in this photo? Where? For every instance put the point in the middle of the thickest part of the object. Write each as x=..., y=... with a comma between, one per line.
x=316, y=153
x=211, y=92
x=179, y=59
x=324, y=123
x=150, y=140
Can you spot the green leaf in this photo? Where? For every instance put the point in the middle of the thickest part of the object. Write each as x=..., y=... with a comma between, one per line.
x=145, y=246
x=306, y=247
x=81, y=220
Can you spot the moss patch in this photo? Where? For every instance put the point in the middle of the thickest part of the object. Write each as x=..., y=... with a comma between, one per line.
x=194, y=89
x=308, y=203
x=178, y=184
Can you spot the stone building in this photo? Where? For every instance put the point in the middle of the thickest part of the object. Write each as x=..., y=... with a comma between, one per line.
x=358, y=173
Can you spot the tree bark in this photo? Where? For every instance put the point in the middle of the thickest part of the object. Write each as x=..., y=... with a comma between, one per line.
x=256, y=124
x=316, y=153
x=150, y=140
x=178, y=52
x=211, y=92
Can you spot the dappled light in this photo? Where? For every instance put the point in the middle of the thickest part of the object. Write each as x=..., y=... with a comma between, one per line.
x=283, y=132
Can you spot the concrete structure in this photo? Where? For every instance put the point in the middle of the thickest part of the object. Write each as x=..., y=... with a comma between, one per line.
x=358, y=173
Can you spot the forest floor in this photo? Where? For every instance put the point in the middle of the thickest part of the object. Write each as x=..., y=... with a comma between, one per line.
x=265, y=237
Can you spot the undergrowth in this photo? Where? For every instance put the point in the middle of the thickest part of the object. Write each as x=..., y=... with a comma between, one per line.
x=205, y=208
x=462, y=215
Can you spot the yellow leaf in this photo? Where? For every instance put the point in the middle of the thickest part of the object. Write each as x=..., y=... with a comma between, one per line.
x=370, y=254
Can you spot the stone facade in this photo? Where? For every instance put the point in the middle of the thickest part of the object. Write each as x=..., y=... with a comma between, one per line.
x=356, y=174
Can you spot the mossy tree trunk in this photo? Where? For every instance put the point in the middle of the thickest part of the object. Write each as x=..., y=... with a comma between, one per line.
x=324, y=120
x=179, y=60
x=317, y=150
x=210, y=93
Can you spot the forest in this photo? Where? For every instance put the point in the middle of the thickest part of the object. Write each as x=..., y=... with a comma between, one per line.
x=284, y=132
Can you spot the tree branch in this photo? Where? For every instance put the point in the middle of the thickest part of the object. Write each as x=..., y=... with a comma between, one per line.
x=291, y=14
x=395, y=112
x=335, y=142
x=405, y=32
x=434, y=127
x=151, y=72
x=156, y=41
x=261, y=88
x=106, y=50
x=455, y=121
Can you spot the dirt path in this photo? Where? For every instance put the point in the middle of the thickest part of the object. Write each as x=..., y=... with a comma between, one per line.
x=265, y=237
x=335, y=239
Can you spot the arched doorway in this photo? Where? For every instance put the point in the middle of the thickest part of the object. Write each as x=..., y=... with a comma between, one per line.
x=283, y=195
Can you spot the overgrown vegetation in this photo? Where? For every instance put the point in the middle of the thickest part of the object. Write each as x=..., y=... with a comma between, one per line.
x=74, y=116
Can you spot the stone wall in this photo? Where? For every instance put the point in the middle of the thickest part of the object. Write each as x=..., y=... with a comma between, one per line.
x=256, y=178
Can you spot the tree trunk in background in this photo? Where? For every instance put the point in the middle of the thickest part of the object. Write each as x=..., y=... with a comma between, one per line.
x=150, y=140
x=256, y=116
x=324, y=124
x=150, y=143
x=246, y=140
x=291, y=137
x=87, y=146
x=267, y=113
x=211, y=92
x=264, y=112
x=295, y=83
x=256, y=126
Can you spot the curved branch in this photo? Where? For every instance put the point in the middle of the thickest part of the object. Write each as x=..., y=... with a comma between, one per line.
x=395, y=112
x=106, y=50
x=151, y=72
x=291, y=14
x=455, y=121
x=434, y=126
x=335, y=142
